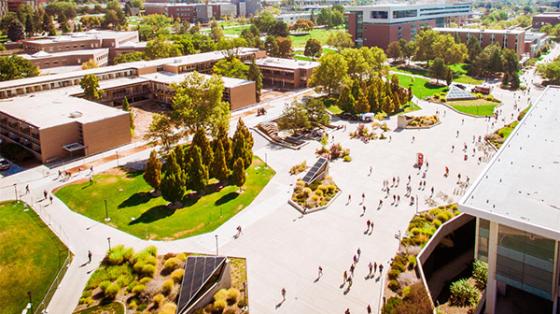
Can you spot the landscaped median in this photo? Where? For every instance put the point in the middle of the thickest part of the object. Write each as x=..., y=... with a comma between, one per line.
x=476, y=107
x=132, y=207
x=32, y=259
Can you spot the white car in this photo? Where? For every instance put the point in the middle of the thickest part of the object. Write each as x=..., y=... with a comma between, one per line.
x=4, y=164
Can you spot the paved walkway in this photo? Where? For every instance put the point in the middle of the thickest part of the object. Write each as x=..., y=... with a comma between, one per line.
x=284, y=249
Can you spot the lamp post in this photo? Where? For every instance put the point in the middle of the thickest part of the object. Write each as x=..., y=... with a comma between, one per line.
x=107, y=218
x=109, y=242
x=417, y=204
x=216, y=244
x=30, y=299
x=15, y=191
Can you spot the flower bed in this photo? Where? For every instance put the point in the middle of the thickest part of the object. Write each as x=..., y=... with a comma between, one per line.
x=315, y=196
x=366, y=134
x=334, y=152
x=419, y=122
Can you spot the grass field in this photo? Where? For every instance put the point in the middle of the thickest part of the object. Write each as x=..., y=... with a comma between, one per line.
x=460, y=75
x=478, y=107
x=320, y=34
x=30, y=257
x=133, y=210
x=420, y=87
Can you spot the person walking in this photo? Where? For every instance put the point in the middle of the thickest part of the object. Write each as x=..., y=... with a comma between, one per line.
x=283, y=291
x=368, y=309
x=45, y=194
x=27, y=189
x=320, y=272
x=370, y=266
x=363, y=210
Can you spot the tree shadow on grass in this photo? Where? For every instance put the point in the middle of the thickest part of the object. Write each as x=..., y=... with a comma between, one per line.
x=226, y=198
x=153, y=214
x=136, y=199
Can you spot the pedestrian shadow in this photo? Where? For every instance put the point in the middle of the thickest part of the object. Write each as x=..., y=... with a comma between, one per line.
x=279, y=304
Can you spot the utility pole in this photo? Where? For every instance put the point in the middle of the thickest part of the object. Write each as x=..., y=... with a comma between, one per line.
x=216, y=244
x=109, y=242
x=107, y=218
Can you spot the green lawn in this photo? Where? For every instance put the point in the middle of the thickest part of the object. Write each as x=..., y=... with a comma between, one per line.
x=111, y=308
x=409, y=107
x=334, y=109
x=133, y=210
x=321, y=34
x=30, y=257
x=478, y=107
x=420, y=87
x=460, y=75
x=235, y=30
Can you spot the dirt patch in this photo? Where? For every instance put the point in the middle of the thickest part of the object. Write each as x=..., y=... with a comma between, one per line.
x=187, y=232
x=143, y=114
x=117, y=171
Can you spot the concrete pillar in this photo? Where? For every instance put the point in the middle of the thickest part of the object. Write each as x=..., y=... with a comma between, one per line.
x=491, y=286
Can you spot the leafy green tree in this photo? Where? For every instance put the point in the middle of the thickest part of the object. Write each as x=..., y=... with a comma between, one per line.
x=161, y=48
x=15, y=31
x=231, y=68
x=162, y=132
x=153, y=26
x=313, y=48
x=357, y=65
x=445, y=47
x=302, y=25
x=409, y=50
x=340, y=40
x=90, y=85
x=294, y=117
x=317, y=112
x=216, y=31
x=152, y=174
x=474, y=48
x=279, y=29
x=346, y=100
x=271, y=46
x=254, y=74
x=219, y=167
x=238, y=176
x=425, y=40
x=394, y=51
x=201, y=141
x=265, y=21
x=114, y=16
x=15, y=67
x=198, y=103
x=284, y=47
x=197, y=171
x=438, y=69
x=129, y=57
x=243, y=144
x=29, y=27
x=362, y=103
x=329, y=75
x=173, y=183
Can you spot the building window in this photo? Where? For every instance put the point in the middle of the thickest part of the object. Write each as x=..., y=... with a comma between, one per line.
x=404, y=14
x=379, y=14
x=482, y=245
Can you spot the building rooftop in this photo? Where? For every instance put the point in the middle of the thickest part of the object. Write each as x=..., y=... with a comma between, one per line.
x=557, y=14
x=172, y=78
x=519, y=187
x=80, y=36
x=286, y=63
x=57, y=109
x=478, y=30
x=43, y=54
x=408, y=5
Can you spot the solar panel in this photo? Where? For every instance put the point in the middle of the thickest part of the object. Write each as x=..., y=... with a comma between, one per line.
x=198, y=269
x=315, y=170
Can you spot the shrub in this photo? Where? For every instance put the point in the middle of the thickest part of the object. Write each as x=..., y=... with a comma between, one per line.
x=158, y=298
x=138, y=289
x=145, y=280
x=480, y=273
x=391, y=304
x=118, y=255
x=405, y=291
x=394, y=285
x=171, y=264
x=111, y=291
x=397, y=265
x=394, y=274
x=177, y=275
x=220, y=295
x=232, y=296
x=298, y=168
x=148, y=270
x=219, y=305
x=347, y=158
x=104, y=284
x=167, y=286
x=168, y=308
x=411, y=262
x=463, y=293
x=182, y=257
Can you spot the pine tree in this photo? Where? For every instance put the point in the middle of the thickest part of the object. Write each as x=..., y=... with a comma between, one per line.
x=197, y=172
x=201, y=141
x=125, y=105
x=254, y=74
x=29, y=27
x=180, y=156
x=152, y=174
x=224, y=139
x=173, y=184
x=219, y=168
x=238, y=176
x=362, y=104
x=242, y=144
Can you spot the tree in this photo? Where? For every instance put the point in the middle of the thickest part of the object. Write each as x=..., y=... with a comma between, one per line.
x=153, y=26
x=198, y=103
x=474, y=49
x=161, y=48
x=15, y=30
x=219, y=168
x=90, y=85
x=302, y=25
x=126, y=107
x=201, y=141
x=114, y=16
x=346, y=100
x=242, y=144
x=15, y=67
x=294, y=117
x=173, y=183
x=152, y=174
x=197, y=171
x=284, y=47
x=394, y=51
x=446, y=48
x=231, y=68
x=271, y=46
x=362, y=103
x=238, y=175
x=90, y=64
x=424, y=44
x=409, y=50
x=330, y=73
x=223, y=138
x=317, y=112
x=357, y=64
x=29, y=27
x=162, y=132
x=510, y=61
x=265, y=21
x=449, y=77
x=313, y=48
x=216, y=31
x=129, y=57
x=438, y=69
x=340, y=40
x=254, y=74
x=48, y=25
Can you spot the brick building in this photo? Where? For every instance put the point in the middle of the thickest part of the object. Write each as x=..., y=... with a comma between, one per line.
x=13, y=5
x=192, y=12
x=542, y=19
x=45, y=60
x=379, y=25
x=513, y=39
x=285, y=73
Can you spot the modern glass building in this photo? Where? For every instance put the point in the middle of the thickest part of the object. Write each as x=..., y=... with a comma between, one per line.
x=517, y=204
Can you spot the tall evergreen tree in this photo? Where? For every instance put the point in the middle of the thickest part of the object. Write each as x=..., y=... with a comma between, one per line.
x=243, y=144
x=197, y=171
x=254, y=74
x=180, y=156
x=152, y=174
x=201, y=141
x=224, y=139
x=29, y=27
x=238, y=176
x=173, y=184
x=218, y=168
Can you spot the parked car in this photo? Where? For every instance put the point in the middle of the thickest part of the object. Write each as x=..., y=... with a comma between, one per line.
x=4, y=164
x=461, y=86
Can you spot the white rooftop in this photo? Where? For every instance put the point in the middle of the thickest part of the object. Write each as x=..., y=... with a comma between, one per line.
x=80, y=36
x=44, y=55
x=172, y=78
x=56, y=109
x=520, y=186
x=478, y=30
x=286, y=63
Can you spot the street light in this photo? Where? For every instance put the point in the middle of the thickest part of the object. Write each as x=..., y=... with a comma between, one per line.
x=109, y=242
x=417, y=204
x=30, y=299
x=107, y=218
x=15, y=191
x=216, y=244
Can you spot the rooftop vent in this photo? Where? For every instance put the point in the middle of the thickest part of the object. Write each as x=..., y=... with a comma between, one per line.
x=75, y=114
